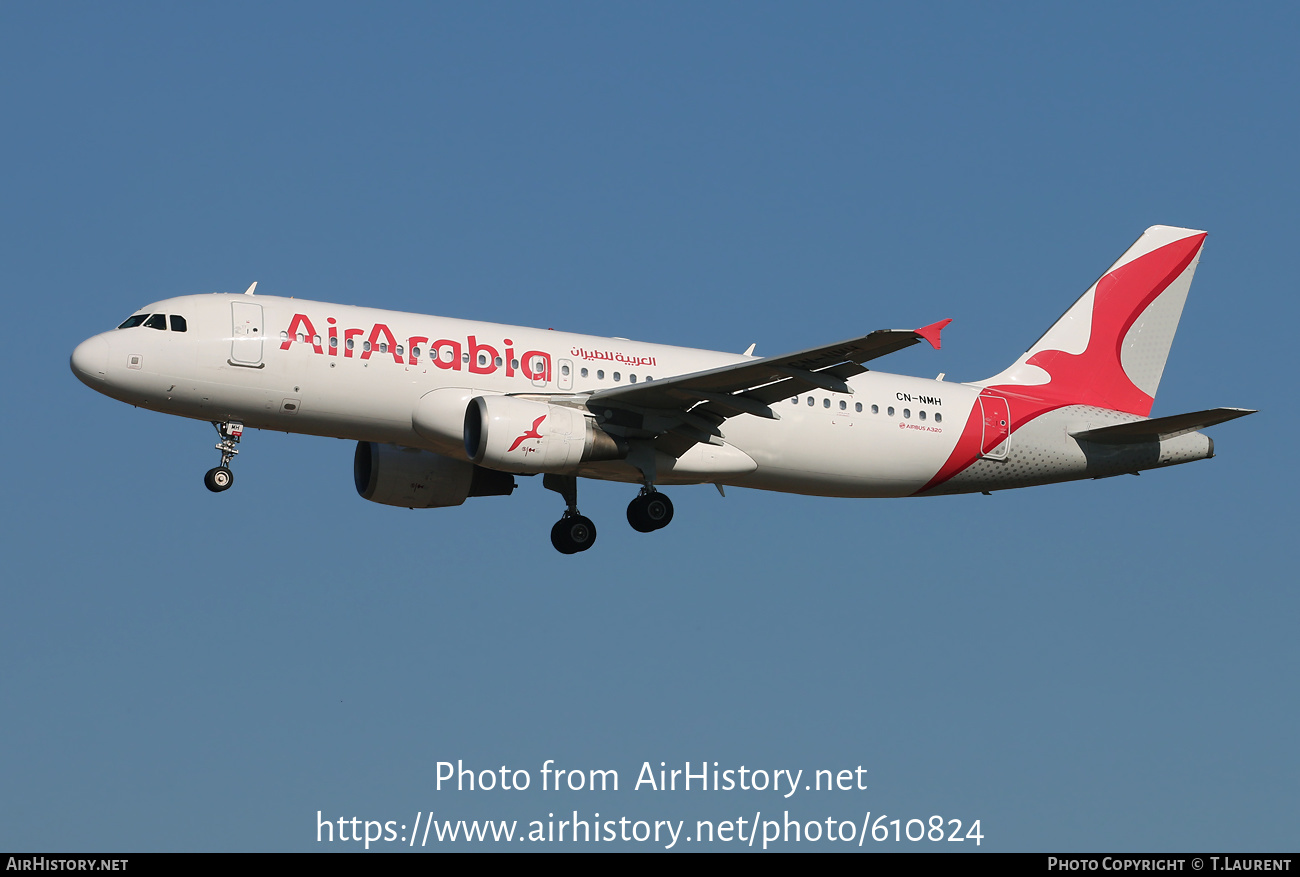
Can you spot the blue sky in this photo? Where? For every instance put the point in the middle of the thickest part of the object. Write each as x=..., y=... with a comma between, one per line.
x=1104, y=666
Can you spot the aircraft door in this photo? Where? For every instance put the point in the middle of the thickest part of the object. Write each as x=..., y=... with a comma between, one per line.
x=565, y=380
x=246, y=338
x=997, y=427
x=541, y=370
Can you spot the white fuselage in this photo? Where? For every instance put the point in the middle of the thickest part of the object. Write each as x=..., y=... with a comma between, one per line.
x=887, y=438
x=360, y=373
x=443, y=410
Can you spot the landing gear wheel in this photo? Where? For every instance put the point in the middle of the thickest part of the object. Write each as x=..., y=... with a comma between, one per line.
x=573, y=533
x=650, y=512
x=219, y=479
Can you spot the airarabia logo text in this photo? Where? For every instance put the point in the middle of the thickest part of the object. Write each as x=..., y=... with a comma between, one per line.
x=445, y=353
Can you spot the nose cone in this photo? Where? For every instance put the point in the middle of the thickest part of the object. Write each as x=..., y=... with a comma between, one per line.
x=90, y=360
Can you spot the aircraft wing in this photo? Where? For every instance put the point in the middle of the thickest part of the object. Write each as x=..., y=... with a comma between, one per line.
x=687, y=409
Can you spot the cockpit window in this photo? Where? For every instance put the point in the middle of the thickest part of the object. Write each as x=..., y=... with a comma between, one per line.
x=178, y=323
x=132, y=322
x=157, y=321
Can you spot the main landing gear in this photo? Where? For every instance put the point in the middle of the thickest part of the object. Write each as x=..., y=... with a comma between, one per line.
x=574, y=532
x=650, y=511
x=220, y=478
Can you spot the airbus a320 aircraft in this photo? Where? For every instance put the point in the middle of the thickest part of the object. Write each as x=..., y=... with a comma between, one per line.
x=446, y=409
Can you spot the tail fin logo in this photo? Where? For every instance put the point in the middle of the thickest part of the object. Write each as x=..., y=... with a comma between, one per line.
x=1098, y=376
x=1108, y=350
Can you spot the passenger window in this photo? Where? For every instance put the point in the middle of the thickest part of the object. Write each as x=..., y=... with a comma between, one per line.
x=132, y=322
x=826, y=403
x=843, y=405
x=157, y=321
x=498, y=362
x=584, y=372
x=617, y=376
x=811, y=402
x=178, y=323
x=890, y=410
x=600, y=374
x=631, y=379
x=907, y=413
x=564, y=369
x=921, y=414
x=794, y=400
x=352, y=343
x=334, y=343
x=415, y=351
x=398, y=350
x=875, y=409
x=938, y=418
x=366, y=346
x=857, y=406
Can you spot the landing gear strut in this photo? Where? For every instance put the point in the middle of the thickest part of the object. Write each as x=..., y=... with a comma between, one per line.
x=573, y=532
x=220, y=478
x=650, y=511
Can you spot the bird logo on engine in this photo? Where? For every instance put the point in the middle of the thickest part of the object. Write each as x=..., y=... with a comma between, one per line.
x=532, y=433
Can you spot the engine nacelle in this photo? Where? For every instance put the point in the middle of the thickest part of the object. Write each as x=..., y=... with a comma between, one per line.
x=521, y=435
x=416, y=479
x=439, y=418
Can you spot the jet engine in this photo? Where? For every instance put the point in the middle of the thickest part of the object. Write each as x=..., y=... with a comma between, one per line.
x=416, y=479
x=525, y=436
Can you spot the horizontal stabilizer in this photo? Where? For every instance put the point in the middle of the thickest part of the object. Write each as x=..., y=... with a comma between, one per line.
x=1161, y=428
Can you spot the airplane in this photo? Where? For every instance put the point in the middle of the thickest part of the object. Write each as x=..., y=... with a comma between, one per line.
x=447, y=409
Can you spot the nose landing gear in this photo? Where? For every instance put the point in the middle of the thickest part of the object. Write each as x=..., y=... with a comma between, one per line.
x=220, y=478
